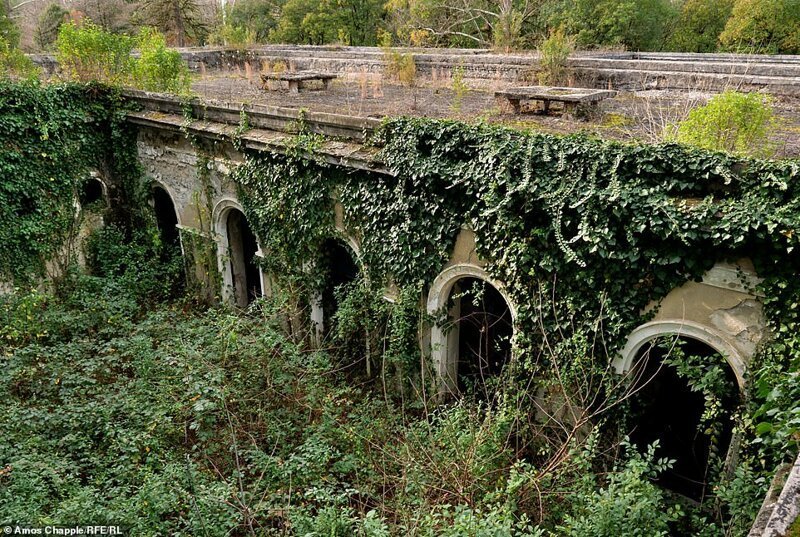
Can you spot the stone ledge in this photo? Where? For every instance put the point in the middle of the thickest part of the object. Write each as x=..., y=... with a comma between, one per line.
x=339, y=153
x=259, y=116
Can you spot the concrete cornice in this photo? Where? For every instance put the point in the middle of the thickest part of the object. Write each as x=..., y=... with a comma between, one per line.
x=340, y=153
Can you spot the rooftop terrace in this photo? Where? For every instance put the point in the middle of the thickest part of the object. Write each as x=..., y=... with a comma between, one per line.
x=655, y=91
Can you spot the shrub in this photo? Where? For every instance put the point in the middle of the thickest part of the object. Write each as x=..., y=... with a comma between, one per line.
x=553, y=56
x=13, y=62
x=460, y=89
x=229, y=35
x=86, y=52
x=735, y=122
x=400, y=66
x=630, y=505
x=159, y=68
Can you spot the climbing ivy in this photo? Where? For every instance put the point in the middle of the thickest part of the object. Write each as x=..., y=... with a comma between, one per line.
x=584, y=233
x=52, y=137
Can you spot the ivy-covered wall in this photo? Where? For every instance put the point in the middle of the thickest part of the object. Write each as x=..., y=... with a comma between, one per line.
x=52, y=136
x=583, y=233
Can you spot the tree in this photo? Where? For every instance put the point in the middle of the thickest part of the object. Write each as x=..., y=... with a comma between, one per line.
x=8, y=30
x=257, y=16
x=634, y=24
x=110, y=15
x=486, y=23
x=771, y=26
x=314, y=22
x=183, y=20
x=700, y=24
x=50, y=21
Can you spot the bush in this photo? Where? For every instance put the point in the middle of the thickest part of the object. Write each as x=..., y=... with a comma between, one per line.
x=232, y=36
x=86, y=52
x=159, y=68
x=14, y=63
x=553, y=57
x=738, y=123
x=630, y=505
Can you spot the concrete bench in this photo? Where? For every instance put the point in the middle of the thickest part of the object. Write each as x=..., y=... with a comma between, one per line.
x=297, y=79
x=572, y=98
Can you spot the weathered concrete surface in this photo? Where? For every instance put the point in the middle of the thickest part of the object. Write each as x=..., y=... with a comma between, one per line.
x=779, y=75
x=778, y=514
x=721, y=311
x=259, y=116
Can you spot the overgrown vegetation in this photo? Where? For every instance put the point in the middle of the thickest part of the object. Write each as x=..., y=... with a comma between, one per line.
x=553, y=56
x=739, y=123
x=184, y=420
x=86, y=53
x=768, y=26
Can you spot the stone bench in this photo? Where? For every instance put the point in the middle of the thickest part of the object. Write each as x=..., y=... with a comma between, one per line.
x=296, y=80
x=572, y=98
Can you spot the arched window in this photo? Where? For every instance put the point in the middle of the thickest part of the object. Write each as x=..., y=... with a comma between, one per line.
x=166, y=217
x=685, y=397
x=339, y=269
x=242, y=249
x=237, y=252
x=474, y=342
x=91, y=191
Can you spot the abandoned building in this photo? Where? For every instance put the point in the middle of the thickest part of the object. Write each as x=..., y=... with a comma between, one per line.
x=719, y=316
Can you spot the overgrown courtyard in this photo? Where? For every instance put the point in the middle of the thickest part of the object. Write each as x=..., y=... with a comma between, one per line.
x=268, y=354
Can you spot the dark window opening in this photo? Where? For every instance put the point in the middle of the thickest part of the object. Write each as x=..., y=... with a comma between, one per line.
x=242, y=248
x=484, y=333
x=166, y=218
x=339, y=269
x=666, y=409
x=91, y=191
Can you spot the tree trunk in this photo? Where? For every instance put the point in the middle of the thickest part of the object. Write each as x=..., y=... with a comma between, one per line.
x=179, y=27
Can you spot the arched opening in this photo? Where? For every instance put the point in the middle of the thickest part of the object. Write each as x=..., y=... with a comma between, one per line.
x=686, y=398
x=166, y=217
x=91, y=191
x=242, y=249
x=445, y=337
x=481, y=327
x=339, y=269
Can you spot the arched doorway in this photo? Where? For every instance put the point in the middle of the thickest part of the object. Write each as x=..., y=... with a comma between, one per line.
x=474, y=342
x=686, y=396
x=482, y=320
x=242, y=247
x=92, y=190
x=166, y=217
x=339, y=269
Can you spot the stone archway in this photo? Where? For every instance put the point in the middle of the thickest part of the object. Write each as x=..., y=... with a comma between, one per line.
x=92, y=190
x=648, y=332
x=445, y=351
x=343, y=255
x=166, y=212
x=667, y=407
x=237, y=246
